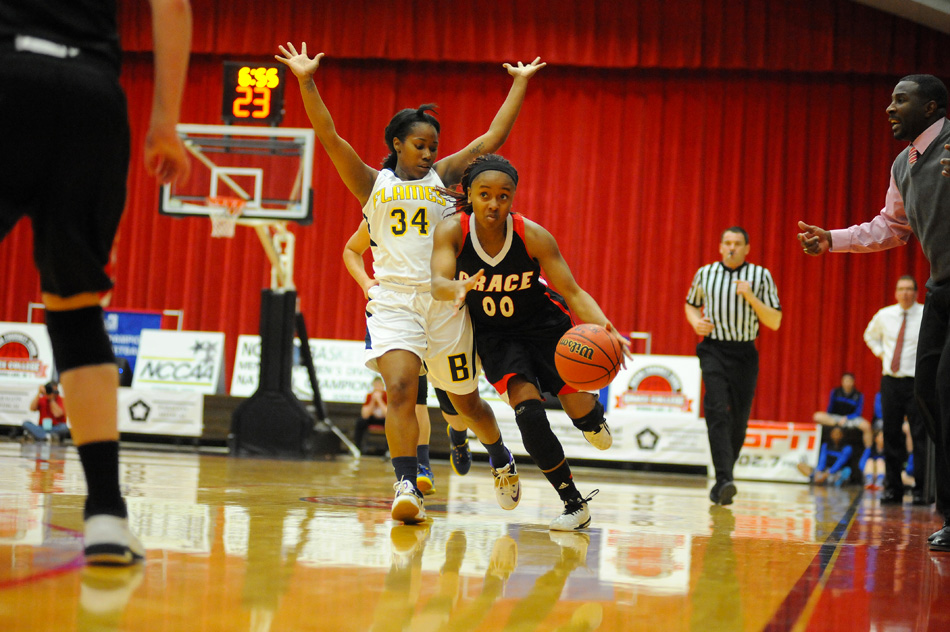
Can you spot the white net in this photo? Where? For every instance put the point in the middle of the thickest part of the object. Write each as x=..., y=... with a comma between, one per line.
x=224, y=213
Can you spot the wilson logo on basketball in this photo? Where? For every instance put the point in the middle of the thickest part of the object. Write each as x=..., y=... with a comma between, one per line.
x=578, y=348
x=655, y=388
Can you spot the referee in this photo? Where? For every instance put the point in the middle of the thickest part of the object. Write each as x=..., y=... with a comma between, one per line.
x=725, y=305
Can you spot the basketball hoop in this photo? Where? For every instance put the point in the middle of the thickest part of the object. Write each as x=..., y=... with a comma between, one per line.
x=224, y=213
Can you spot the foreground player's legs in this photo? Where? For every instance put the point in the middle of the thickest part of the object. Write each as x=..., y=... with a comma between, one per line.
x=90, y=379
x=400, y=371
x=547, y=453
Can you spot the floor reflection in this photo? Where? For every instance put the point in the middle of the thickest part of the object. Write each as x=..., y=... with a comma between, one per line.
x=260, y=545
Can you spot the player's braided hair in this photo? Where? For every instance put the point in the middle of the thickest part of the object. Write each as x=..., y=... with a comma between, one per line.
x=401, y=124
x=486, y=162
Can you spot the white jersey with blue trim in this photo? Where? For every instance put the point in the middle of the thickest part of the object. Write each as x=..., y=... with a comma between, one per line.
x=402, y=216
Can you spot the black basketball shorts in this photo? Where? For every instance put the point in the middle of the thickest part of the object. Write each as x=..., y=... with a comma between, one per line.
x=63, y=163
x=529, y=354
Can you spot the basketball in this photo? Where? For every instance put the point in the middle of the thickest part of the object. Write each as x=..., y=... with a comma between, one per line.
x=587, y=357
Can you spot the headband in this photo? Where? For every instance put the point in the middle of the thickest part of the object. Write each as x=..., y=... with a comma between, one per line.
x=493, y=165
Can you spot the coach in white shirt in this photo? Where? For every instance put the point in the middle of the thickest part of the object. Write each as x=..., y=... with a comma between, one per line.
x=892, y=337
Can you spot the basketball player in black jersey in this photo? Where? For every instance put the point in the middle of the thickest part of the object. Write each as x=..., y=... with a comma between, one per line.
x=492, y=258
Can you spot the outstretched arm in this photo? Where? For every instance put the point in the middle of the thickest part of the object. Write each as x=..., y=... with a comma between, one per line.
x=353, y=251
x=543, y=247
x=356, y=175
x=813, y=239
x=450, y=168
x=165, y=156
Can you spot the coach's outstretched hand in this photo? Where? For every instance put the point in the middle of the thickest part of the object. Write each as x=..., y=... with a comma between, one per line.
x=299, y=63
x=814, y=240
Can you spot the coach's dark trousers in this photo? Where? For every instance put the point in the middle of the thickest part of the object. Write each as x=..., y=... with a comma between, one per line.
x=932, y=385
x=730, y=371
x=897, y=400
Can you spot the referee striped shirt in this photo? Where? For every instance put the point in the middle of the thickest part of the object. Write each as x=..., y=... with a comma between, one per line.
x=734, y=319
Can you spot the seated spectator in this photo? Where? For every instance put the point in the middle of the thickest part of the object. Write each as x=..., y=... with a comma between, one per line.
x=832, y=467
x=872, y=461
x=845, y=405
x=52, y=415
x=373, y=412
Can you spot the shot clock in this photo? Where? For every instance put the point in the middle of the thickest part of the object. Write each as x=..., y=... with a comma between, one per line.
x=253, y=93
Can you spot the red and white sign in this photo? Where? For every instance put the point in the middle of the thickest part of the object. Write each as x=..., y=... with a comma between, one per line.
x=26, y=362
x=773, y=450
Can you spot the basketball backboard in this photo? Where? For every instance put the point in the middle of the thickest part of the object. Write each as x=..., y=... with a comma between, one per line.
x=269, y=168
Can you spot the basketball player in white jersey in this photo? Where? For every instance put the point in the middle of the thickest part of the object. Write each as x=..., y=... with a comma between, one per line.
x=402, y=206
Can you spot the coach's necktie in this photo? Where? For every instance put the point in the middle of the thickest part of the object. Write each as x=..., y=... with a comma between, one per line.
x=899, y=347
x=912, y=157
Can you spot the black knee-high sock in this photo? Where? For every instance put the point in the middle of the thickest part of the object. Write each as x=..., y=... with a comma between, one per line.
x=100, y=462
x=562, y=481
x=545, y=449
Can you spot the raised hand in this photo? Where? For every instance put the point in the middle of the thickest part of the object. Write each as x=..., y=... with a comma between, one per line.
x=525, y=71
x=299, y=63
x=814, y=240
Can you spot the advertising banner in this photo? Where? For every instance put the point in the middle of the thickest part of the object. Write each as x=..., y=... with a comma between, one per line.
x=180, y=360
x=161, y=412
x=341, y=374
x=773, y=450
x=125, y=329
x=26, y=363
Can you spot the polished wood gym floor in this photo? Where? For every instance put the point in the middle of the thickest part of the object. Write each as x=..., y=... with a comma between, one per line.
x=258, y=545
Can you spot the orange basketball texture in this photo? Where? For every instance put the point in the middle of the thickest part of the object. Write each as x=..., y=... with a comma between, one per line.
x=587, y=357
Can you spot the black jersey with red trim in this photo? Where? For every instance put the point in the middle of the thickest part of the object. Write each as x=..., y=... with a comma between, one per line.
x=512, y=296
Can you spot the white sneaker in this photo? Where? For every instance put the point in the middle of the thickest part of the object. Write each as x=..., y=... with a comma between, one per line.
x=600, y=438
x=407, y=506
x=507, y=485
x=109, y=542
x=576, y=516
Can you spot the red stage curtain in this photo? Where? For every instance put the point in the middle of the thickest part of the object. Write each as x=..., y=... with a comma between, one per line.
x=655, y=126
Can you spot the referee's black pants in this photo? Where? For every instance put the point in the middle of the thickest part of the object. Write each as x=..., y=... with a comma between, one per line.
x=730, y=371
x=932, y=385
x=897, y=401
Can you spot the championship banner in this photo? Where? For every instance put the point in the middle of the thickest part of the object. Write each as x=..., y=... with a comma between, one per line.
x=161, y=412
x=26, y=355
x=180, y=360
x=657, y=386
x=341, y=374
x=125, y=329
x=26, y=363
x=773, y=450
